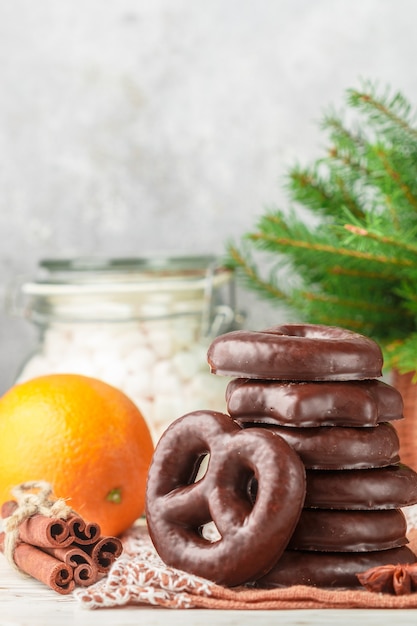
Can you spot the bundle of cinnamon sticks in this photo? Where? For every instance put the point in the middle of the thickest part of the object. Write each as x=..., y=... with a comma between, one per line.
x=61, y=553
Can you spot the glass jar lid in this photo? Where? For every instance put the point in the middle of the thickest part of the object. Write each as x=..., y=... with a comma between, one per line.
x=137, y=274
x=121, y=288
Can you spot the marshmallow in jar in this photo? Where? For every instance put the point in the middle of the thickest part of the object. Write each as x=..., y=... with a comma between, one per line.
x=142, y=325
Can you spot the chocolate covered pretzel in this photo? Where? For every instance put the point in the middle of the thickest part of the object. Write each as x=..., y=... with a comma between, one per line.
x=253, y=531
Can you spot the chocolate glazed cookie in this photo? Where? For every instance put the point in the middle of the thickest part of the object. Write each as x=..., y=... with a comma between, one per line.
x=391, y=487
x=308, y=404
x=329, y=569
x=298, y=352
x=349, y=531
x=334, y=447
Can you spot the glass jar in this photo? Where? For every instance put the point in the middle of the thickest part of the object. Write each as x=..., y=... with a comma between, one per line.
x=141, y=324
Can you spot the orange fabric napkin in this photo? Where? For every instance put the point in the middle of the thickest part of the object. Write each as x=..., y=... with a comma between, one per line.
x=139, y=577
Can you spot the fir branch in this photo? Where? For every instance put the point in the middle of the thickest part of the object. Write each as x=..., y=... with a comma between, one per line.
x=335, y=300
x=307, y=188
x=395, y=111
x=396, y=177
x=401, y=354
x=269, y=290
x=340, y=134
x=333, y=250
x=348, y=148
x=382, y=239
x=348, y=200
x=406, y=291
x=362, y=274
x=236, y=260
x=354, y=166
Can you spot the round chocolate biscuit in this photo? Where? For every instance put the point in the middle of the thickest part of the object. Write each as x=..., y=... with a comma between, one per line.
x=305, y=404
x=337, y=447
x=296, y=352
x=349, y=531
x=330, y=569
x=391, y=487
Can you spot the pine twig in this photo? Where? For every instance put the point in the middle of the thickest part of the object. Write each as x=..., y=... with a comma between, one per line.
x=252, y=277
x=396, y=111
x=397, y=179
x=334, y=300
x=363, y=232
x=337, y=251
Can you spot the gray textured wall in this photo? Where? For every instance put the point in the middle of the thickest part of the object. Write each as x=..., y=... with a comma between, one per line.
x=130, y=127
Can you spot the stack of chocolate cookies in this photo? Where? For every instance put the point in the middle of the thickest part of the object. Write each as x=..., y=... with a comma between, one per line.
x=338, y=416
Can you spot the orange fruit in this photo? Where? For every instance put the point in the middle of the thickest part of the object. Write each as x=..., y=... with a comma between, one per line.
x=83, y=436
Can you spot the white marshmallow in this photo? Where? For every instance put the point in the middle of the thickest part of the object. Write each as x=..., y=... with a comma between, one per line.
x=159, y=364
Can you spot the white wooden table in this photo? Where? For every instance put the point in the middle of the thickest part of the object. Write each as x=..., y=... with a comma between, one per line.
x=26, y=602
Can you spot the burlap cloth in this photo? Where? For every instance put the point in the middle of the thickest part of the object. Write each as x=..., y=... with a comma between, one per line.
x=139, y=577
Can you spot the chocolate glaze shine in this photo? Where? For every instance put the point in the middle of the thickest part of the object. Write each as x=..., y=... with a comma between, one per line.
x=308, y=404
x=329, y=569
x=334, y=447
x=305, y=398
x=349, y=531
x=253, y=535
x=389, y=487
x=298, y=352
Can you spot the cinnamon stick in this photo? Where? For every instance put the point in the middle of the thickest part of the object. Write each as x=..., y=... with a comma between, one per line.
x=83, y=532
x=85, y=574
x=42, y=566
x=40, y=530
x=85, y=570
x=8, y=508
x=104, y=552
x=61, y=552
x=44, y=532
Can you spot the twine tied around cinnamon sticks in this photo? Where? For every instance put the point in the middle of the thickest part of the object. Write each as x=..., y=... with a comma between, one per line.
x=26, y=505
x=48, y=540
